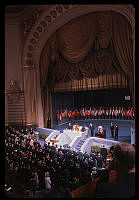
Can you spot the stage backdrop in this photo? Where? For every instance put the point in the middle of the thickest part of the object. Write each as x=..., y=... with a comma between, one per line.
x=72, y=100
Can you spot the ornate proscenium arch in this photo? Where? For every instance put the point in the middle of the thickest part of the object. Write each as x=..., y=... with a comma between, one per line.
x=58, y=15
x=51, y=19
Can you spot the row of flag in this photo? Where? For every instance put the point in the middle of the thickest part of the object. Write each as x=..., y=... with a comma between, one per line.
x=86, y=112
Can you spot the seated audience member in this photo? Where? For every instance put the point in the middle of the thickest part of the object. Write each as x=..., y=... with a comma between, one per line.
x=104, y=152
x=118, y=180
x=47, y=181
x=124, y=187
x=31, y=131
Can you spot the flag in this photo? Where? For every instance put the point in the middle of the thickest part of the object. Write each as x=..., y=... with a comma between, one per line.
x=110, y=111
x=100, y=111
x=119, y=111
x=96, y=112
x=127, y=112
x=63, y=114
x=107, y=112
x=83, y=112
x=103, y=111
x=116, y=112
x=60, y=117
x=66, y=113
x=113, y=111
x=90, y=111
x=87, y=113
x=69, y=114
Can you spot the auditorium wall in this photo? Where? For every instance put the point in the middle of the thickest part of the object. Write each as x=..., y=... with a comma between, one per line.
x=13, y=68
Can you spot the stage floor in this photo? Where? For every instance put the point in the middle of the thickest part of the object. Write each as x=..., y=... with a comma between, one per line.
x=123, y=125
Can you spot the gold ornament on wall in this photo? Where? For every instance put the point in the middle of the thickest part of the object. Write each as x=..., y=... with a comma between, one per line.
x=14, y=93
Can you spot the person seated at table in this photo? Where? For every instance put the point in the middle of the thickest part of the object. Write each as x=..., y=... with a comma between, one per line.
x=76, y=127
x=69, y=126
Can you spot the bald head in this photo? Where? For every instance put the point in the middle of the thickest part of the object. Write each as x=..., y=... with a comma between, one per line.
x=125, y=154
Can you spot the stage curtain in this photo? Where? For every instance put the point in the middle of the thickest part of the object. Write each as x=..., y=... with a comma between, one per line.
x=87, y=47
x=123, y=45
x=30, y=95
x=99, y=82
x=104, y=24
x=44, y=64
x=75, y=39
x=48, y=56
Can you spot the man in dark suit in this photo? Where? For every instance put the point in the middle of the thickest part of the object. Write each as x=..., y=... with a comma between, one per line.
x=80, y=155
x=104, y=152
x=116, y=131
x=69, y=126
x=92, y=129
x=49, y=122
x=112, y=129
x=83, y=128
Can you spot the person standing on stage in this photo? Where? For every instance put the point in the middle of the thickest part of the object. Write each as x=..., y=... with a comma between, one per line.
x=112, y=129
x=49, y=122
x=91, y=127
x=116, y=131
x=70, y=126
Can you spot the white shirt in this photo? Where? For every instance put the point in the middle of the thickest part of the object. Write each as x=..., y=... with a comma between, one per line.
x=47, y=183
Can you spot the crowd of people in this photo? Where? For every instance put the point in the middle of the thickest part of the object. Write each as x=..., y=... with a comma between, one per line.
x=32, y=170
x=94, y=112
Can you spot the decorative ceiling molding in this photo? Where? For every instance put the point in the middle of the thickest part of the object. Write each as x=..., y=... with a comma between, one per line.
x=58, y=15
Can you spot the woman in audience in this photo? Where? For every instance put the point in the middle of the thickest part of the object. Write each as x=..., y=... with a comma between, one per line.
x=47, y=181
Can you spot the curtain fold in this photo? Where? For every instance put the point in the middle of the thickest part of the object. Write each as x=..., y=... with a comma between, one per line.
x=123, y=45
x=104, y=25
x=76, y=38
x=122, y=42
x=30, y=96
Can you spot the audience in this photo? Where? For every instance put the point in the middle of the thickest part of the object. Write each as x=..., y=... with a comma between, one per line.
x=49, y=171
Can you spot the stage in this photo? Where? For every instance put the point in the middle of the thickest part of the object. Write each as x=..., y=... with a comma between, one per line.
x=124, y=130
x=124, y=127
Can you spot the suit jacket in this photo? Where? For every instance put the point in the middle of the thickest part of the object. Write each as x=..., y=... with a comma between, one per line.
x=104, y=152
x=112, y=127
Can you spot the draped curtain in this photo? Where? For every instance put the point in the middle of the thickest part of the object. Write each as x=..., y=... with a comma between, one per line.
x=30, y=95
x=123, y=45
x=75, y=39
x=86, y=47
